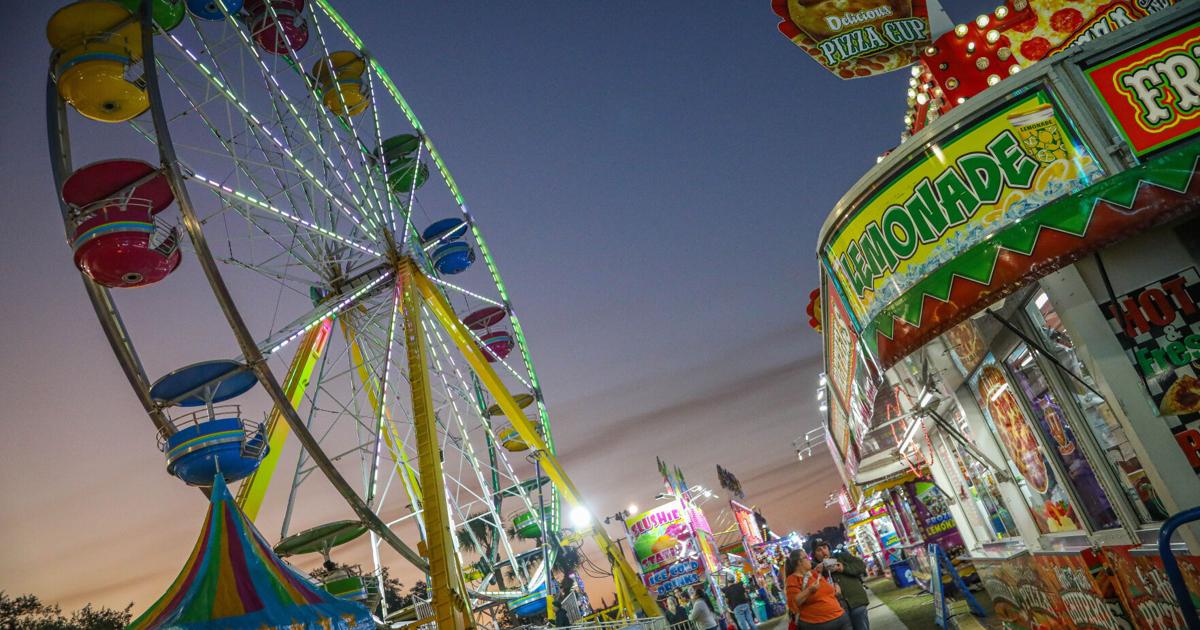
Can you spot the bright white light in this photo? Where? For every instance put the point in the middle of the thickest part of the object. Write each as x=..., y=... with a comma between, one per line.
x=632, y=508
x=580, y=517
x=708, y=493
x=1041, y=300
x=928, y=396
x=999, y=390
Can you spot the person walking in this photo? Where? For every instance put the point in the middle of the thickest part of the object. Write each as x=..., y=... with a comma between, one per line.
x=739, y=603
x=701, y=614
x=847, y=570
x=812, y=598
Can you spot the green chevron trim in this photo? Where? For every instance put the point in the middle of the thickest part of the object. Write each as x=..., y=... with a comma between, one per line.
x=1071, y=214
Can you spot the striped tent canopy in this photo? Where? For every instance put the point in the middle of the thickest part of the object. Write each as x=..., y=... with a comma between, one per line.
x=234, y=580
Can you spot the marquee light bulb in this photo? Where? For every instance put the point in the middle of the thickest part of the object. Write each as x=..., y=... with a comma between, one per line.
x=961, y=30
x=982, y=21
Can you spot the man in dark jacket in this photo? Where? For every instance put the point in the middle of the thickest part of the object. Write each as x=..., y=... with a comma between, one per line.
x=848, y=571
x=739, y=603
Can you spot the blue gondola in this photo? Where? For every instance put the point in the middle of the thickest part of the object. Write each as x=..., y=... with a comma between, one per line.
x=452, y=258
x=211, y=9
x=445, y=230
x=200, y=444
x=530, y=605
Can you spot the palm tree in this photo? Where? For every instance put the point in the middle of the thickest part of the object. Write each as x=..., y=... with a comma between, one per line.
x=481, y=535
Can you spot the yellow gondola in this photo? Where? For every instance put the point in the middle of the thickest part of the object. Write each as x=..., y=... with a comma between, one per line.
x=339, y=77
x=95, y=42
x=510, y=439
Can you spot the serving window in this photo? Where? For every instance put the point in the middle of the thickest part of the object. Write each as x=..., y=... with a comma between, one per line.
x=1094, y=411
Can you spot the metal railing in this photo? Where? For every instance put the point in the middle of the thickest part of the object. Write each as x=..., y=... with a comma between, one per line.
x=1171, y=564
x=201, y=416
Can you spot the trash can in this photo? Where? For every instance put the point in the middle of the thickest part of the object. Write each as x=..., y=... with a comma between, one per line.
x=760, y=610
x=902, y=574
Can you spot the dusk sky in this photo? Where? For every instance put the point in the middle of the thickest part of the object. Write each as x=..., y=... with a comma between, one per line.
x=650, y=176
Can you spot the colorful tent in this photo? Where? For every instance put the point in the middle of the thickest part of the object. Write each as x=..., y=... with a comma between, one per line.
x=234, y=580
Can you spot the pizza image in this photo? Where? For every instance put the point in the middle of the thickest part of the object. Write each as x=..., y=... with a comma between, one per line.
x=1183, y=397
x=1013, y=427
x=1057, y=24
x=964, y=339
x=804, y=22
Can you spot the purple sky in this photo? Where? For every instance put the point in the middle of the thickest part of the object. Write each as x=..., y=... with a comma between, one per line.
x=650, y=179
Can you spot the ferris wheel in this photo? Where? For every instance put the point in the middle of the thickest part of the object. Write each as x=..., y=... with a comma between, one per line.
x=266, y=146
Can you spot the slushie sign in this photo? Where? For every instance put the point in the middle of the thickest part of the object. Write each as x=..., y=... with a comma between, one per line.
x=952, y=196
x=657, y=535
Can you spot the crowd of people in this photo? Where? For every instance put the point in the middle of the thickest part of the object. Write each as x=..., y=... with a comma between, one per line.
x=823, y=591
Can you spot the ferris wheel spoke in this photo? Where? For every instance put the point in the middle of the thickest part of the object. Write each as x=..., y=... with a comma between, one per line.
x=356, y=290
x=329, y=125
x=251, y=202
x=252, y=122
x=374, y=174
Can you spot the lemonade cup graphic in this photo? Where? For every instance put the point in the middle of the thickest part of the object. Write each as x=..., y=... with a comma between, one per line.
x=1039, y=133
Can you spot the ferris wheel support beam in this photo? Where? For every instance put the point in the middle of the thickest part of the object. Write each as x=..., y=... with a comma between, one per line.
x=249, y=348
x=106, y=310
x=253, y=490
x=625, y=575
x=450, y=604
x=518, y=332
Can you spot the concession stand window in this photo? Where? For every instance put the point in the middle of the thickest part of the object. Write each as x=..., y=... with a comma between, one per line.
x=1087, y=408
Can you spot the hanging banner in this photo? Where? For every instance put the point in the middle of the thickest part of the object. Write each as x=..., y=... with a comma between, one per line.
x=1137, y=87
x=659, y=535
x=859, y=39
x=702, y=534
x=840, y=352
x=1158, y=325
x=747, y=523
x=955, y=194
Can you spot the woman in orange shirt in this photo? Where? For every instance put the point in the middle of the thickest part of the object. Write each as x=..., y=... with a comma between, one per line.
x=811, y=598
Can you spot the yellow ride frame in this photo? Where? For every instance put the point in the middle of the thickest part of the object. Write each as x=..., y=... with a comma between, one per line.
x=452, y=610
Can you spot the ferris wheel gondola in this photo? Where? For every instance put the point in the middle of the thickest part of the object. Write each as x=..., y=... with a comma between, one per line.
x=273, y=159
x=259, y=129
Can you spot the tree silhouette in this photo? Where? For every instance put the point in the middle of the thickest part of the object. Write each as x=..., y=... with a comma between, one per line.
x=27, y=612
x=480, y=535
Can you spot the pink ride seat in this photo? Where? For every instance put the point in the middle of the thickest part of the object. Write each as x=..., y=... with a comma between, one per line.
x=117, y=242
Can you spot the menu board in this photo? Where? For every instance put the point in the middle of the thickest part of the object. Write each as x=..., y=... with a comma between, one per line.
x=1158, y=325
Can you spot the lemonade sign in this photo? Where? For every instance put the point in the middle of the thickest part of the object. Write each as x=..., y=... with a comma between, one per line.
x=952, y=196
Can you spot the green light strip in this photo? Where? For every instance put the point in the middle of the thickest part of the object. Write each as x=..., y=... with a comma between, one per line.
x=518, y=333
